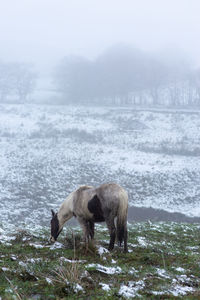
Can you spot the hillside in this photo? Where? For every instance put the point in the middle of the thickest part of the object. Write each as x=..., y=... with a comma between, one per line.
x=48, y=151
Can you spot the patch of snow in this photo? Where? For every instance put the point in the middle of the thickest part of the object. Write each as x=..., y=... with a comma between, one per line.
x=37, y=246
x=6, y=238
x=107, y=270
x=48, y=280
x=77, y=288
x=133, y=245
x=179, y=269
x=156, y=293
x=142, y=242
x=162, y=273
x=105, y=286
x=102, y=250
x=22, y=264
x=133, y=271
x=56, y=245
x=33, y=260
x=13, y=257
x=131, y=290
x=9, y=290
x=5, y=269
x=113, y=261
x=194, y=248
x=172, y=233
x=182, y=278
x=72, y=261
x=179, y=290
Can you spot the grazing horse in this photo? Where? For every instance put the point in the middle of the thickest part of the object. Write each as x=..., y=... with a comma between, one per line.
x=90, y=205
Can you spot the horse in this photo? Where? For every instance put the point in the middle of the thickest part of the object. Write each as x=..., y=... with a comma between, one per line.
x=89, y=205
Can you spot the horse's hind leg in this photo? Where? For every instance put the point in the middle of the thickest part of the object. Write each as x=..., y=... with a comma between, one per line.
x=91, y=229
x=112, y=230
x=125, y=239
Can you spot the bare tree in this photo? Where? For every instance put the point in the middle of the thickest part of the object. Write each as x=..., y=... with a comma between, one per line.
x=24, y=80
x=16, y=79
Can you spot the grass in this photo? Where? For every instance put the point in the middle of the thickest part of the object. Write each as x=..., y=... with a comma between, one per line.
x=163, y=263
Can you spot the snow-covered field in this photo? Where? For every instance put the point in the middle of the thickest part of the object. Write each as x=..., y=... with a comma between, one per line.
x=48, y=151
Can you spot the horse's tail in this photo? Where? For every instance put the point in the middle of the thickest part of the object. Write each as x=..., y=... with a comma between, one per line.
x=122, y=217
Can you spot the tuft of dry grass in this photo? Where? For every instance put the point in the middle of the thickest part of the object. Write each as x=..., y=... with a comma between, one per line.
x=68, y=274
x=14, y=289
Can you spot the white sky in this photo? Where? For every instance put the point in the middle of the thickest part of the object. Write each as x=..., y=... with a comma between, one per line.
x=43, y=31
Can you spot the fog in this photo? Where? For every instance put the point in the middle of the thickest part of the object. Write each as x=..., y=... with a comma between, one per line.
x=42, y=32
x=99, y=91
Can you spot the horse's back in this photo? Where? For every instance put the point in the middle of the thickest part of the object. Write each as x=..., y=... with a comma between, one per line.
x=112, y=194
x=106, y=198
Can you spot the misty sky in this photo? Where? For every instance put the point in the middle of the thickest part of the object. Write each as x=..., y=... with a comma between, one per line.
x=43, y=31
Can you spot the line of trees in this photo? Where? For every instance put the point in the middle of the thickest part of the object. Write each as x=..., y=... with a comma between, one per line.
x=122, y=75
x=17, y=81
x=125, y=75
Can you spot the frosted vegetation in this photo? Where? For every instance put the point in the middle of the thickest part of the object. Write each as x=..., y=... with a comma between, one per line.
x=162, y=263
x=47, y=151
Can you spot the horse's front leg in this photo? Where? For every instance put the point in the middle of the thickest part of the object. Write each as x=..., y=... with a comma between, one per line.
x=86, y=231
x=91, y=231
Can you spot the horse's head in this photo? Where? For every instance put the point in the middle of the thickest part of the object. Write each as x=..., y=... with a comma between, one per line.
x=55, y=228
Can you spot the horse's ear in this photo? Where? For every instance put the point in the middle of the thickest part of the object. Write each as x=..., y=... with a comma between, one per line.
x=53, y=213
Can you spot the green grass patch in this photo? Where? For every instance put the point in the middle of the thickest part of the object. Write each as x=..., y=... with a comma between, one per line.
x=163, y=262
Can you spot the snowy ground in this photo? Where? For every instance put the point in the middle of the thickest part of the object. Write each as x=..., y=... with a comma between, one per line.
x=48, y=151
x=162, y=263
